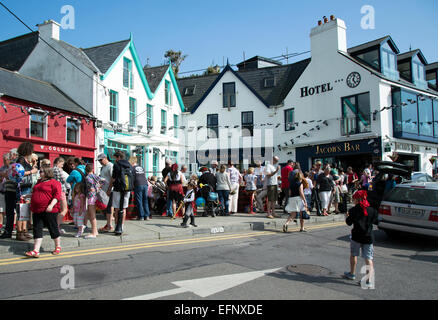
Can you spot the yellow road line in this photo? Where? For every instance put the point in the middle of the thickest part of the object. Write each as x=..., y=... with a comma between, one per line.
x=131, y=247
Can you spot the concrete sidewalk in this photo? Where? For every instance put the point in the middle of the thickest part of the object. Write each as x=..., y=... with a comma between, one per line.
x=164, y=228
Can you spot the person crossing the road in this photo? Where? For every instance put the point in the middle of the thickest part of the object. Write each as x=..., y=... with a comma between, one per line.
x=362, y=216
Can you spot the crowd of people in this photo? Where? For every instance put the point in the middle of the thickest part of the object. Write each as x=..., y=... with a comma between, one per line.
x=70, y=185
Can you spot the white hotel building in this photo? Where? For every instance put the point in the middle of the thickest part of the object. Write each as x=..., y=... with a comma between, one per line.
x=349, y=106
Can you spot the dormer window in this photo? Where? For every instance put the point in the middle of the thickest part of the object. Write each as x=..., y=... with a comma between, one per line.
x=371, y=58
x=432, y=76
x=389, y=62
x=418, y=73
x=189, y=91
x=269, y=82
x=411, y=66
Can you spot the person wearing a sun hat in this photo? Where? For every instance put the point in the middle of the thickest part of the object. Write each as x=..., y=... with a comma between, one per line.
x=362, y=216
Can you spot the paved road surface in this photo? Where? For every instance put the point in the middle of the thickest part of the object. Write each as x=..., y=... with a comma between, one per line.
x=253, y=266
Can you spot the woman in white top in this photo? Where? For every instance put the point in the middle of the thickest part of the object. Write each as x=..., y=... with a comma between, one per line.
x=223, y=187
x=251, y=188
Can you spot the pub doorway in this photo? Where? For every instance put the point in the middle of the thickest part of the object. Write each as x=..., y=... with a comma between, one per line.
x=357, y=162
x=411, y=160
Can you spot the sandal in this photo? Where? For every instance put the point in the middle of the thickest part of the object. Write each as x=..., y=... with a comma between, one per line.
x=32, y=254
x=57, y=251
x=285, y=228
x=105, y=229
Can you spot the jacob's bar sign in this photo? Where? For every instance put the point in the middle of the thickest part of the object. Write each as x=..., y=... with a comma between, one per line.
x=338, y=148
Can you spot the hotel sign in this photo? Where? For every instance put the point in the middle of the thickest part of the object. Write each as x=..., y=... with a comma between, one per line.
x=310, y=91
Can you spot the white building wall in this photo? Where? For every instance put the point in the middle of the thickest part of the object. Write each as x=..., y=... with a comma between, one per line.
x=327, y=105
x=229, y=138
x=46, y=64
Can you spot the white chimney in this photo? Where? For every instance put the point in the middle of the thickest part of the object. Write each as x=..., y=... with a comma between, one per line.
x=328, y=37
x=49, y=30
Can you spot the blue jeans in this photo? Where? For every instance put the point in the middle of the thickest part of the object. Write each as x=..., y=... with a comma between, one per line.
x=308, y=200
x=169, y=209
x=141, y=201
x=224, y=198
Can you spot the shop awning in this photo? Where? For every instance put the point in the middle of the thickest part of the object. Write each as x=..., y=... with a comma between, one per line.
x=140, y=140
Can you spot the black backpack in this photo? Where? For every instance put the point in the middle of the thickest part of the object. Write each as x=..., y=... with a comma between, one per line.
x=126, y=179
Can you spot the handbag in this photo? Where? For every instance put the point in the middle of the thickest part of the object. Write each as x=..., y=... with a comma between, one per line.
x=23, y=211
x=344, y=188
x=305, y=215
x=102, y=200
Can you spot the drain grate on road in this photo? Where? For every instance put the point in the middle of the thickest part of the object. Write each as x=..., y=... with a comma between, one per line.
x=308, y=270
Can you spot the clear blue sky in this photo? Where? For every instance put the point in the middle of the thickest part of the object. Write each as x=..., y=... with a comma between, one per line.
x=211, y=31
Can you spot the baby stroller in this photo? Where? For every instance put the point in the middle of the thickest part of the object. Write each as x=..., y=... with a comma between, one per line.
x=213, y=206
x=160, y=196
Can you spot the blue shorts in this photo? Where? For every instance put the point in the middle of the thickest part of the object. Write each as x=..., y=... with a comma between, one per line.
x=367, y=249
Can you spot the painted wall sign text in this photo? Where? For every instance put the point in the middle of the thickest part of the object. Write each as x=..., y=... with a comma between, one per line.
x=310, y=91
x=346, y=147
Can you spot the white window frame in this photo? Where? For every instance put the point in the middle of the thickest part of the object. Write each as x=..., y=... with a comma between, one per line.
x=78, y=132
x=44, y=137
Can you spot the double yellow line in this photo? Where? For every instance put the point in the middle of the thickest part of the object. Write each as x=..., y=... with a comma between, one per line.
x=81, y=253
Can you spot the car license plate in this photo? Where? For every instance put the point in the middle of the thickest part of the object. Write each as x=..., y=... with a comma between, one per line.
x=410, y=212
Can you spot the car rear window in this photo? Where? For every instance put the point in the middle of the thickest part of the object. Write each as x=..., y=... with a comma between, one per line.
x=422, y=197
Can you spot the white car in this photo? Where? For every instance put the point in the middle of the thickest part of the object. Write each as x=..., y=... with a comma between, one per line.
x=412, y=208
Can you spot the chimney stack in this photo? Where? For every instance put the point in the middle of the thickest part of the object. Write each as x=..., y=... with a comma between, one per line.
x=329, y=37
x=49, y=30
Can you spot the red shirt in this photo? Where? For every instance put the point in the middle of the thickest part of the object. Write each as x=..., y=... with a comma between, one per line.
x=42, y=195
x=351, y=177
x=285, y=176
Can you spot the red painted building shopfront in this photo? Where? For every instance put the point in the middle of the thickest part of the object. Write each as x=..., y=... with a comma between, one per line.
x=53, y=132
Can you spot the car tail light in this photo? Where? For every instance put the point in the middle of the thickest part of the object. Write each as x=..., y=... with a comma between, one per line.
x=386, y=210
x=433, y=216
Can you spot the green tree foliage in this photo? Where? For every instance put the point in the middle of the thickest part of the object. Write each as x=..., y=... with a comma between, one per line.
x=176, y=58
x=212, y=70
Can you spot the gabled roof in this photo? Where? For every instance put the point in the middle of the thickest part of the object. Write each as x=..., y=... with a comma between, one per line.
x=15, y=51
x=154, y=75
x=432, y=66
x=200, y=84
x=227, y=69
x=374, y=43
x=78, y=54
x=285, y=77
x=104, y=56
x=22, y=87
x=411, y=54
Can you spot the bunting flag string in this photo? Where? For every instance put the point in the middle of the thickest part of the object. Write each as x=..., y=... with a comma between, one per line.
x=52, y=114
x=118, y=127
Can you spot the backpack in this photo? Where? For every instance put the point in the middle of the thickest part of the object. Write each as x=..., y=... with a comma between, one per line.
x=126, y=179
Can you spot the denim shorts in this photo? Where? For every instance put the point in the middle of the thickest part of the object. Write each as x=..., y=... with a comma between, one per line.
x=367, y=249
